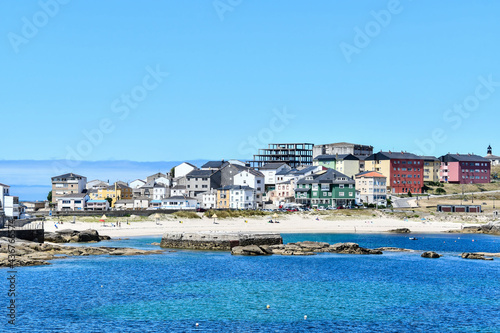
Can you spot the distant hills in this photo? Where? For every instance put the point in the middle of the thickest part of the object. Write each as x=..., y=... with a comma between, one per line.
x=30, y=179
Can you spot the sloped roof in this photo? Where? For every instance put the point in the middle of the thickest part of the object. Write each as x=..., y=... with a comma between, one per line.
x=335, y=157
x=271, y=166
x=329, y=176
x=388, y=155
x=213, y=164
x=370, y=174
x=72, y=195
x=462, y=158
x=69, y=175
x=236, y=187
x=200, y=174
x=4, y=185
x=178, y=197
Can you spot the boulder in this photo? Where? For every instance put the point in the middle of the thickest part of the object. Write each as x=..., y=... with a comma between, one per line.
x=491, y=228
x=430, y=254
x=249, y=250
x=468, y=255
x=351, y=248
x=400, y=231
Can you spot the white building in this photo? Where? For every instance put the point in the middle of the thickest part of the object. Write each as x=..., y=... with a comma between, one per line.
x=372, y=187
x=141, y=203
x=96, y=184
x=4, y=191
x=124, y=204
x=179, y=203
x=97, y=205
x=269, y=171
x=209, y=199
x=160, y=192
x=183, y=169
x=137, y=183
x=242, y=197
x=255, y=180
x=73, y=201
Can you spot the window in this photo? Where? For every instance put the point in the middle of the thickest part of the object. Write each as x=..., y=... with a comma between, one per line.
x=341, y=186
x=341, y=194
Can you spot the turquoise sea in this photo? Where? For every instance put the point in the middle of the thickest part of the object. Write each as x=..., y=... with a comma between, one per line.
x=171, y=292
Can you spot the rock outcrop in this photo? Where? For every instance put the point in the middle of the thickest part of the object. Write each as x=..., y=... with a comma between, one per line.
x=302, y=249
x=479, y=256
x=400, y=231
x=210, y=241
x=393, y=249
x=74, y=236
x=430, y=254
x=491, y=228
x=30, y=253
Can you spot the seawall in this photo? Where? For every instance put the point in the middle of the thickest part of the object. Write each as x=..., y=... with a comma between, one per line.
x=217, y=241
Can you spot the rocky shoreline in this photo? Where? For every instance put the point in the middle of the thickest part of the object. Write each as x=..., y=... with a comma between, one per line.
x=26, y=253
x=491, y=228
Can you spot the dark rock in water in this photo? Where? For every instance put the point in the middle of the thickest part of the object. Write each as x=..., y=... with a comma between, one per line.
x=492, y=228
x=351, y=248
x=249, y=250
x=393, y=249
x=468, y=255
x=400, y=231
x=430, y=254
x=74, y=236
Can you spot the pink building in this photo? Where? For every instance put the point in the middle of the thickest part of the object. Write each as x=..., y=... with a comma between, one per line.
x=464, y=169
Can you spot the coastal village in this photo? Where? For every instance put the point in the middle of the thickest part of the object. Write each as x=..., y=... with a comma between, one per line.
x=282, y=176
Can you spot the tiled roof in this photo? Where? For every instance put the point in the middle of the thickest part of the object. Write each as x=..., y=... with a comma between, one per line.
x=388, y=155
x=370, y=174
x=213, y=164
x=69, y=175
x=329, y=176
x=271, y=166
x=462, y=158
x=340, y=157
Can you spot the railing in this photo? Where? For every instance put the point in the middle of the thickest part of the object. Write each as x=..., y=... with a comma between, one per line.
x=28, y=226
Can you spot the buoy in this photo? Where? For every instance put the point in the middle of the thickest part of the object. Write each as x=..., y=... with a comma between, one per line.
x=268, y=306
x=101, y=285
x=197, y=324
x=305, y=317
x=472, y=240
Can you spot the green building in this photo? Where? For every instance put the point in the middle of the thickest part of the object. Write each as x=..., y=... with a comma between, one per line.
x=327, y=188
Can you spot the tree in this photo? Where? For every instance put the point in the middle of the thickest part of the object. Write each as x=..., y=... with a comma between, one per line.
x=409, y=193
x=49, y=196
x=110, y=201
x=389, y=202
x=172, y=172
x=440, y=190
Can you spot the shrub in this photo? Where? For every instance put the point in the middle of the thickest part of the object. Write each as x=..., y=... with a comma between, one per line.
x=186, y=214
x=440, y=190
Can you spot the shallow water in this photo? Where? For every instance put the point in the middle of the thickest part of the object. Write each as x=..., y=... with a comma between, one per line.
x=171, y=292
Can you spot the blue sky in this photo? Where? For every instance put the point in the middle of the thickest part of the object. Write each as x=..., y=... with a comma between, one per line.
x=233, y=66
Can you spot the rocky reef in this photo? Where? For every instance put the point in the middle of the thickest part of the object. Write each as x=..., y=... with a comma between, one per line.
x=24, y=253
x=400, y=231
x=74, y=236
x=210, y=241
x=491, y=228
x=302, y=249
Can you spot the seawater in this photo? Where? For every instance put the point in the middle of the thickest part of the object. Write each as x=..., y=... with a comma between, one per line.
x=171, y=292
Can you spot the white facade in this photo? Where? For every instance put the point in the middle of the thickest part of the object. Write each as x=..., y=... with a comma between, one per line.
x=124, y=204
x=72, y=202
x=179, y=203
x=162, y=180
x=137, y=183
x=179, y=190
x=141, y=203
x=4, y=191
x=96, y=184
x=160, y=192
x=209, y=199
x=372, y=187
x=183, y=169
x=270, y=174
x=253, y=179
x=11, y=207
x=242, y=198
x=97, y=205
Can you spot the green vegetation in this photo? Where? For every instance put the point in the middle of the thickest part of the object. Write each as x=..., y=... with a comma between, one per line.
x=110, y=201
x=186, y=214
x=440, y=190
x=49, y=196
x=223, y=214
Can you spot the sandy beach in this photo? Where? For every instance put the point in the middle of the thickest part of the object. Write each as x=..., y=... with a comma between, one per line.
x=295, y=223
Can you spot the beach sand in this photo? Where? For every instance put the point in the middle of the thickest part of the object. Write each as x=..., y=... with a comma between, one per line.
x=294, y=223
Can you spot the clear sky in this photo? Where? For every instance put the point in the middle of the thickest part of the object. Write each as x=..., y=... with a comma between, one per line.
x=185, y=80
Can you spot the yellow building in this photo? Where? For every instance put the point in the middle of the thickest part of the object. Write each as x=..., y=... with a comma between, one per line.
x=431, y=168
x=118, y=191
x=223, y=197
